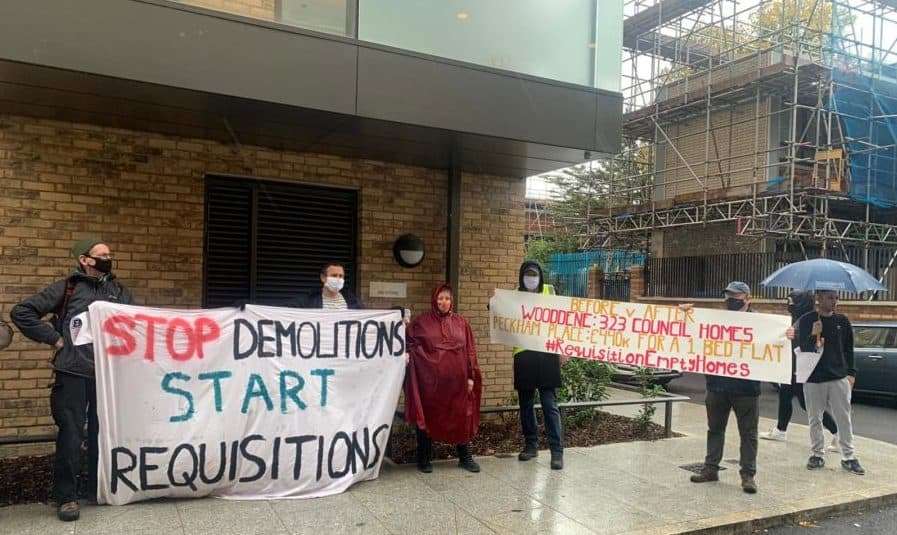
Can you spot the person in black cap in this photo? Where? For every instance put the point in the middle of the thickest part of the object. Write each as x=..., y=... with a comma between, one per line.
x=73, y=393
x=727, y=394
x=800, y=303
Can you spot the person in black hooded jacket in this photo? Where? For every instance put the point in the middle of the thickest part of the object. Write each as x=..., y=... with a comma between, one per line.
x=537, y=370
x=73, y=395
x=800, y=302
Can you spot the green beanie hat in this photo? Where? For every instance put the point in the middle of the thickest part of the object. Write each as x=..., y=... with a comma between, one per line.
x=82, y=247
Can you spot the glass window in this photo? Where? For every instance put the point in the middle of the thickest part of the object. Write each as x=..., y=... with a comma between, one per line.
x=328, y=16
x=553, y=39
x=891, y=340
x=869, y=336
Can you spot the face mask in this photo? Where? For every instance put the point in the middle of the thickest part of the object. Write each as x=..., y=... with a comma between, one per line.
x=103, y=265
x=734, y=304
x=335, y=284
x=531, y=282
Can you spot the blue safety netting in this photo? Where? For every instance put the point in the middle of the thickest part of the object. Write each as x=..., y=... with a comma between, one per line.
x=569, y=272
x=867, y=108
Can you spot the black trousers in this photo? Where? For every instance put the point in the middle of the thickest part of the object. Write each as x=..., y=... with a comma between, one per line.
x=73, y=400
x=747, y=414
x=786, y=408
x=425, y=447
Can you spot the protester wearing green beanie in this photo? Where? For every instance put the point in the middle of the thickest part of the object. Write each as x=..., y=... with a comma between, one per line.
x=83, y=247
x=73, y=396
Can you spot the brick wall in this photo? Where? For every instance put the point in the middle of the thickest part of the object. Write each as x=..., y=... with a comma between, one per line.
x=701, y=240
x=492, y=249
x=144, y=194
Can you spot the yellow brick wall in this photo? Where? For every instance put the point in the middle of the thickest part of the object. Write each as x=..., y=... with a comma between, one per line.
x=144, y=194
x=492, y=232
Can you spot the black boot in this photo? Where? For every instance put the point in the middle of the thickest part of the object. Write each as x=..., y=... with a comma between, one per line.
x=530, y=451
x=557, y=460
x=424, y=452
x=465, y=459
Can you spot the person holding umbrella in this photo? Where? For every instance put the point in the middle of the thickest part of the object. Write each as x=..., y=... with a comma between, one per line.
x=800, y=302
x=831, y=382
x=829, y=336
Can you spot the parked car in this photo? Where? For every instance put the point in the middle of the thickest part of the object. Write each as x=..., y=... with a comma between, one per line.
x=627, y=375
x=875, y=357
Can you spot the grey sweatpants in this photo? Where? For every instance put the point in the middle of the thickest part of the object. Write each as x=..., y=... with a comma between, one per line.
x=834, y=397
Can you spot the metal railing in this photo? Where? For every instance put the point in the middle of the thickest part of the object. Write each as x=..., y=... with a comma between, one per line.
x=706, y=276
x=666, y=399
x=569, y=272
x=616, y=286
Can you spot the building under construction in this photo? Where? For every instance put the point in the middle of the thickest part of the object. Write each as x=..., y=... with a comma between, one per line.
x=757, y=126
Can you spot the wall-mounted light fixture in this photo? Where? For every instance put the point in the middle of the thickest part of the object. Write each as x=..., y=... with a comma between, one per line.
x=408, y=250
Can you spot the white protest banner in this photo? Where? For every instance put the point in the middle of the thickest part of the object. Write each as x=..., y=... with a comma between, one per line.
x=255, y=404
x=711, y=342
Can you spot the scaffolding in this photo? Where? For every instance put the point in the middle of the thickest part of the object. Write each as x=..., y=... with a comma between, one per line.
x=777, y=115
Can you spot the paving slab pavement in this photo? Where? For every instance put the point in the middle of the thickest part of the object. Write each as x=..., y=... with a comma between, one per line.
x=635, y=488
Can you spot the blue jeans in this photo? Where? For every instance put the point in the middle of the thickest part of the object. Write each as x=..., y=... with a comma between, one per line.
x=552, y=416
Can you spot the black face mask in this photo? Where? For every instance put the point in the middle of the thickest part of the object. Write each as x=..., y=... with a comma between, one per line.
x=103, y=265
x=734, y=304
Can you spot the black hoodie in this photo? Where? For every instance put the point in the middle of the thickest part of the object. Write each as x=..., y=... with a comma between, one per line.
x=523, y=268
x=535, y=369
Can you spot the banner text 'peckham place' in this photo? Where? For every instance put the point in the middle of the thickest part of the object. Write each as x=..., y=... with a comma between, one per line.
x=715, y=342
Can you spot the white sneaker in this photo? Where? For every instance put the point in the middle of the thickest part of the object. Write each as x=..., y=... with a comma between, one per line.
x=775, y=434
x=835, y=446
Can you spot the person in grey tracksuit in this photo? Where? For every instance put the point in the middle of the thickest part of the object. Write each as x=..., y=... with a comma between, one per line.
x=830, y=384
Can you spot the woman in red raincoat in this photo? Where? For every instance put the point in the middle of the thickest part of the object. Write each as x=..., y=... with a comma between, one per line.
x=443, y=384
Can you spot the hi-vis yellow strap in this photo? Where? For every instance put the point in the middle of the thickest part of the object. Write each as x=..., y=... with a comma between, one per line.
x=547, y=289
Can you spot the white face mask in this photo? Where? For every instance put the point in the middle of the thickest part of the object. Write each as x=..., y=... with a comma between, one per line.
x=335, y=284
x=531, y=282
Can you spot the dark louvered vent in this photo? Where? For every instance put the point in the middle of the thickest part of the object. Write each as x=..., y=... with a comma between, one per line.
x=228, y=242
x=296, y=228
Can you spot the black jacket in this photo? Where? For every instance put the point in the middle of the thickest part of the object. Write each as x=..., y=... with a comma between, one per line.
x=731, y=385
x=28, y=317
x=802, y=302
x=535, y=369
x=315, y=299
x=837, y=361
